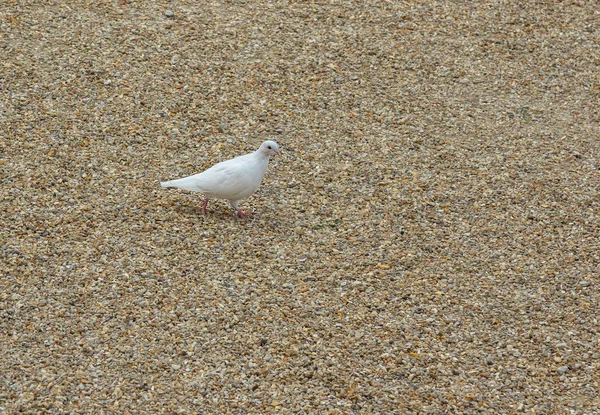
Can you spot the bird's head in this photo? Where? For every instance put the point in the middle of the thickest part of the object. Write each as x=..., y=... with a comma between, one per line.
x=269, y=148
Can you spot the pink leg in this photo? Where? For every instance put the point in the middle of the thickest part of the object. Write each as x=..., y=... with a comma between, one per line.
x=242, y=214
x=204, y=204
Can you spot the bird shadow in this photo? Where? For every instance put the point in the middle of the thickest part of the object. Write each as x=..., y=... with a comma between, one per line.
x=216, y=212
x=191, y=209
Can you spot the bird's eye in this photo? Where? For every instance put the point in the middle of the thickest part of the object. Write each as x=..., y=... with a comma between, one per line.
x=269, y=147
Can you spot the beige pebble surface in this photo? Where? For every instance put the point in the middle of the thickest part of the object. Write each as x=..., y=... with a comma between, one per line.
x=429, y=243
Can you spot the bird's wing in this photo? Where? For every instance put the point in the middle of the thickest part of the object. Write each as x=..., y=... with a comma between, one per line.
x=232, y=179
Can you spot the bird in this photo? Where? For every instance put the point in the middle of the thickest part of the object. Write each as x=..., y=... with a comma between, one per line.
x=233, y=180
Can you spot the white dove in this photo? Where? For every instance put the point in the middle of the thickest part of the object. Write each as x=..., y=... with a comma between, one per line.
x=232, y=180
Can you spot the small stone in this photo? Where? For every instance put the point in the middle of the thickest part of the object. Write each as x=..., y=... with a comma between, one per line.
x=392, y=268
x=561, y=346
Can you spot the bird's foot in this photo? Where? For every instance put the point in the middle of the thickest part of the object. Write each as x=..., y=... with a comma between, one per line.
x=204, y=207
x=242, y=215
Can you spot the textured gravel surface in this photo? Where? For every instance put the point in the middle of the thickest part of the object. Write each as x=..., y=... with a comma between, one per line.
x=430, y=243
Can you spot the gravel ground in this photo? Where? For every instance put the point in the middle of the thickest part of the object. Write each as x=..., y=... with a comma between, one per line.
x=428, y=244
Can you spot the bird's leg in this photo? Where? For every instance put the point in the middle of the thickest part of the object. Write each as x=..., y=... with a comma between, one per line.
x=242, y=215
x=238, y=212
x=204, y=204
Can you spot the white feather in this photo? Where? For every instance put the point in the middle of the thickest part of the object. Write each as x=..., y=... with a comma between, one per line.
x=234, y=179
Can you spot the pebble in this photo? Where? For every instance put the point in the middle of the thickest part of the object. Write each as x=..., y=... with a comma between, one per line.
x=562, y=345
x=428, y=243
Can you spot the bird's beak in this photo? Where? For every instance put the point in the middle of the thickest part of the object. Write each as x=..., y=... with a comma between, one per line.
x=278, y=152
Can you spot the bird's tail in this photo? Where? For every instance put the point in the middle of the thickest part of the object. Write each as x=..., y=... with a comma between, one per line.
x=186, y=183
